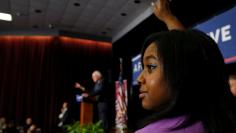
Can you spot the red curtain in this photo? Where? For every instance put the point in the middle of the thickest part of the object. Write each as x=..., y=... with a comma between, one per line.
x=38, y=72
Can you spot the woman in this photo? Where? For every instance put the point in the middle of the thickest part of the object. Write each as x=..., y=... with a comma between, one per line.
x=183, y=80
x=183, y=83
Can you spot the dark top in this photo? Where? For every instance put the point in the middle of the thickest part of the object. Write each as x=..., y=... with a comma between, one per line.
x=99, y=91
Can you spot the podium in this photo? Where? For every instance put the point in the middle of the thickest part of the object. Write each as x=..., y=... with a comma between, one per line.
x=86, y=112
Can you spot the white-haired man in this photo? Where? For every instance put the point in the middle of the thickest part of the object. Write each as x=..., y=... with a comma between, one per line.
x=100, y=92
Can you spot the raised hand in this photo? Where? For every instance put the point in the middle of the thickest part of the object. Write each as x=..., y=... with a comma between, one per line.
x=162, y=11
x=78, y=86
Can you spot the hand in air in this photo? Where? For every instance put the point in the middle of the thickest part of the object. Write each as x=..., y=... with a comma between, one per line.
x=161, y=9
x=77, y=85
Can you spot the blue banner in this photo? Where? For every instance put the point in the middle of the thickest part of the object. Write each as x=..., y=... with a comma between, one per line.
x=137, y=68
x=222, y=29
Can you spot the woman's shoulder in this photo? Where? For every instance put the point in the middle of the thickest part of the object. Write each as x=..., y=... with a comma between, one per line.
x=165, y=126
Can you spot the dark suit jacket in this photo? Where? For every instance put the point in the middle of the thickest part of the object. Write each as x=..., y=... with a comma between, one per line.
x=65, y=119
x=100, y=91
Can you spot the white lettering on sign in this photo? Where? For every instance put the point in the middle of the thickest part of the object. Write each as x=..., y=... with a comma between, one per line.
x=137, y=67
x=223, y=32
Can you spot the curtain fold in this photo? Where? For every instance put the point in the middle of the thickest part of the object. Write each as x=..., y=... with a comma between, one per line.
x=37, y=74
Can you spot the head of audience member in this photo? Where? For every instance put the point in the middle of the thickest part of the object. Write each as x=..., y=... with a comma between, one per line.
x=96, y=75
x=29, y=121
x=183, y=74
x=3, y=123
x=65, y=105
x=232, y=84
x=2, y=120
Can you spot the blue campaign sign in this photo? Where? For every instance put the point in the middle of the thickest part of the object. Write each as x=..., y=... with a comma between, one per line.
x=137, y=68
x=222, y=29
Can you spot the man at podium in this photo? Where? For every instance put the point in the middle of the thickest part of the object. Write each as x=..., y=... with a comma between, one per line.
x=100, y=94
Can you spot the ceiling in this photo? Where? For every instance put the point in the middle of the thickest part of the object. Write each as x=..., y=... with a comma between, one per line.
x=102, y=18
x=109, y=19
